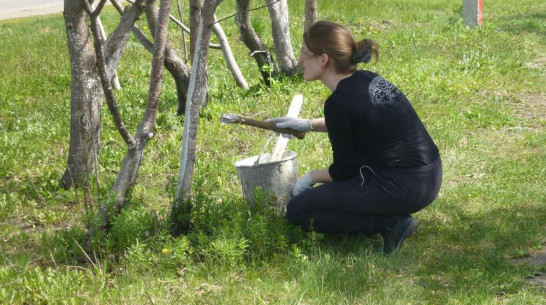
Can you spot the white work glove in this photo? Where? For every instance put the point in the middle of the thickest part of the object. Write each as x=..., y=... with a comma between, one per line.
x=304, y=183
x=286, y=135
x=293, y=123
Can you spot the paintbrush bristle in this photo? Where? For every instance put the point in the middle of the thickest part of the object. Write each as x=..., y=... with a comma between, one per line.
x=228, y=118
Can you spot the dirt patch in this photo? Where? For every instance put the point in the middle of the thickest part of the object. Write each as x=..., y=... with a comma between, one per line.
x=537, y=260
x=532, y=106
x=538, y=63
x=539, y=280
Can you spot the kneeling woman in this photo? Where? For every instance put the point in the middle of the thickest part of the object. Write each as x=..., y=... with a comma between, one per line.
x=385, y=164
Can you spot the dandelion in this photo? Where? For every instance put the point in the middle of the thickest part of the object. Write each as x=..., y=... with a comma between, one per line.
x=144, y=27
x=165, y=251
x=360, y=21
x=371, y=28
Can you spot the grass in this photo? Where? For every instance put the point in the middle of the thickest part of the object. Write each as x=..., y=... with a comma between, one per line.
x=479, y=91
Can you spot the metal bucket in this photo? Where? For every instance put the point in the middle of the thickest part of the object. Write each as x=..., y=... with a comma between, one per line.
x=273, y=178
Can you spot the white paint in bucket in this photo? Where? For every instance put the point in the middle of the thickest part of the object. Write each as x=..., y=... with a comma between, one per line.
x=275, y=178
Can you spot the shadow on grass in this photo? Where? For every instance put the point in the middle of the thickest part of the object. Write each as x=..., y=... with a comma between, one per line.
x=466, y=249
x=527, y=23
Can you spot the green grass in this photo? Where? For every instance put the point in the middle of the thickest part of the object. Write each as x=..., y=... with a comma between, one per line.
x=479, y=92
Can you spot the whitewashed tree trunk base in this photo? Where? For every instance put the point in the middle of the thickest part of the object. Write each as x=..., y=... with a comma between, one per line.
x=472, y=12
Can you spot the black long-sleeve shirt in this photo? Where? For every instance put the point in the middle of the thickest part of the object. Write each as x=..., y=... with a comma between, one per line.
x=370, y=122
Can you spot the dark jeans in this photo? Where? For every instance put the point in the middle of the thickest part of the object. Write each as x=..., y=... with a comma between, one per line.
x=362, y=205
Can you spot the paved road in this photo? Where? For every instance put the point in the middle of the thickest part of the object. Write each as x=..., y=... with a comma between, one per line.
x=22, y=8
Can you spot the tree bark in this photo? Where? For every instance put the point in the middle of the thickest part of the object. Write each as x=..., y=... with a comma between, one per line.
x=133, y=158
x=258, y=50
x=310, y=13
x=228, y=55
x=195, y=17
x=226, y=50
x=115, y=80
x=85, y=100
x=281, y=36
x=182, y=32
x=176, y=67
x=196, y=97
x=86, y=91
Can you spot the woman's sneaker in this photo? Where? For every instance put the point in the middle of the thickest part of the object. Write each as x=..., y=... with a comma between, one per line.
x=394, y=236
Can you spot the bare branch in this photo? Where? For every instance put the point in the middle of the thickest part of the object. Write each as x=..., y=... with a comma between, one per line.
x=258, y=50
x=93, y=13
x=181, y=14
x=117, y=6
x=133, y=158
x=228, y=55
x=179, y=23
x=105, y=80
x=160, y=43
x=99, y=8
x=176, y=67
x=117, y=39
x=249, y=10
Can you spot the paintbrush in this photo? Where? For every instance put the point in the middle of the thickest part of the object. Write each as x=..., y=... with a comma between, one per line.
x=227, y=118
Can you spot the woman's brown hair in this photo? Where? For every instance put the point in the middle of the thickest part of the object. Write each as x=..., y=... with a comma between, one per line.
x=337, y=41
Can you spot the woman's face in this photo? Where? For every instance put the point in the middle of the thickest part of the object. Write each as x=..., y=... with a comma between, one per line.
x=311, y=64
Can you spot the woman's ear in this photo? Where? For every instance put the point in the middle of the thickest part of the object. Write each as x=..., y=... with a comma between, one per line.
x=324, y=59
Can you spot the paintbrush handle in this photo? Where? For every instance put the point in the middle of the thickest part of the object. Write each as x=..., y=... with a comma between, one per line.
x=271, y=126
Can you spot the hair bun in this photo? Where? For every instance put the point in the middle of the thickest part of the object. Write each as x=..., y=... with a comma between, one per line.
x=364, y=51
x=362, y=55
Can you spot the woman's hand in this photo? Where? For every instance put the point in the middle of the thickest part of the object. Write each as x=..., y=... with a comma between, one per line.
x=303, y=184
x=293, y=123
x=308, y=180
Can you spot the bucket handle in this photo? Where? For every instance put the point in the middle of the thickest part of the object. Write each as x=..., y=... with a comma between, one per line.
x=257, y=162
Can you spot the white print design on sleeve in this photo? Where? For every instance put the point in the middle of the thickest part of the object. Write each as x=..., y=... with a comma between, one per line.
x=382, y=92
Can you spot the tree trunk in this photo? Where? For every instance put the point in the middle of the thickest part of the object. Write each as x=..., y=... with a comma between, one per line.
x=133, y=158
x=228, y=55
x=281, y=36
x=85, y=100
x=196, y=97
x=258, y=50
x=86, y=92
x=196, y=6
x=176, y=67
x=310, y=13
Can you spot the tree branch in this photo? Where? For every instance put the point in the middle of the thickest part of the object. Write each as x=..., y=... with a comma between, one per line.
x=176, y=21
x=249, y=10
x=228, y=55
x=258, y=50
x=105, y=80
x=116, y=41
x=178, y=69
x=158, y=60
x=99, y=8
